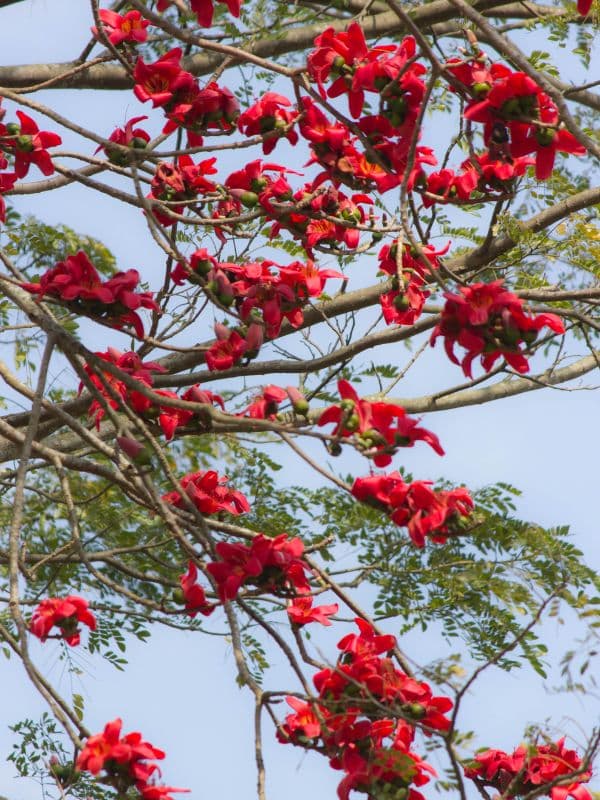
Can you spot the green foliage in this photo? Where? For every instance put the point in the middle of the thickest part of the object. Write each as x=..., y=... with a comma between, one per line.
x=38, y=246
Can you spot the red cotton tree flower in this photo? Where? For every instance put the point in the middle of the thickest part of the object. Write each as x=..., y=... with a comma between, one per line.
x=66, y=615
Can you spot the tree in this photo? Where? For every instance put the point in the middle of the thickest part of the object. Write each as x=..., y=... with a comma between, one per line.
x=136, y=494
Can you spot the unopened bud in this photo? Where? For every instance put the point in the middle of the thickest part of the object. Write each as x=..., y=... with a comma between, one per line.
x=299, y=402
x=255, y=336
x=178, y=597
x=135, y=450
x=222, y=332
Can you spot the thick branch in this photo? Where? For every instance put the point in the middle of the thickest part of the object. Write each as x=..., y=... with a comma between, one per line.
x=113, y=76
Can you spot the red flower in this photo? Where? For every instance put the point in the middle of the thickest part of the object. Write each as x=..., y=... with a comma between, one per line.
x=193, y=593
x=272, y=563
x=131, y=364
x=238, y=564
x=226, y=351
x=204, y=9
x=424, y=511
x=208, y=492
x=269, y=117
x=127, y=137
x=7, y=181
x=372, y=425
x=341, y=54
x=545, y=141
x=125, y=760
x=130, y=27
x=200, y=264
x=76, y=280
x=304, y=723
x=28, y=144
x=158, y=792
x=529, y=768
x=197, y=109
x=513, y=96
x=488, y=321
x=161, y=80
x=64, y=614
x=367, y=642
x=266, y=404
x=197, y=395
x=301, y=611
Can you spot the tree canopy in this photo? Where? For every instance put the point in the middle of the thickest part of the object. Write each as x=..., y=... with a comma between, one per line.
x=336, y=196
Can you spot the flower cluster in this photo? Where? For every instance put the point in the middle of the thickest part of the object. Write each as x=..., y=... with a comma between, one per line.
x=350, y=724
x=521, y=128
x=260, y=294
x=115, y=392
x=76, y=281
x=324, y=217
x=65, y=614
x=125, y=761
x=178, y=183
x=403, y=304
x=167, y=85
x=272, y=564
x=488, y=321
x=209, y=493
x=378, y=428
x=529, y=118
x=529, y=767
x=424, y=511
x=378, y=159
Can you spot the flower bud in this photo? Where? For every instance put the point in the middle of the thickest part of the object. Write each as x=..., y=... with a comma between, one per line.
x=135, y=450
x=255, y=337
x=222, y=332
x=178, y=597
x=299, y=402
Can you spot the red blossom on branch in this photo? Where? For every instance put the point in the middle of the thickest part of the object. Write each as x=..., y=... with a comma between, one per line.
x=65, y=614
x=28, y=144
x=529, y=768
x=424, y=511
x=125, y=760
x=119, y=28
x=488, y=321
x=126, y=137
x=378, y=428
x=270, y=117
x=160, y=80
x=204, y=9
x=301, y=611
x=193, y=594
x=77, y=282
x=273, y=564
x=228, y=349
x=209, y=493
x=129, y=363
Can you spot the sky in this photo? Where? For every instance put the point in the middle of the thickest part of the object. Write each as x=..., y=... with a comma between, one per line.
x=179, y=689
